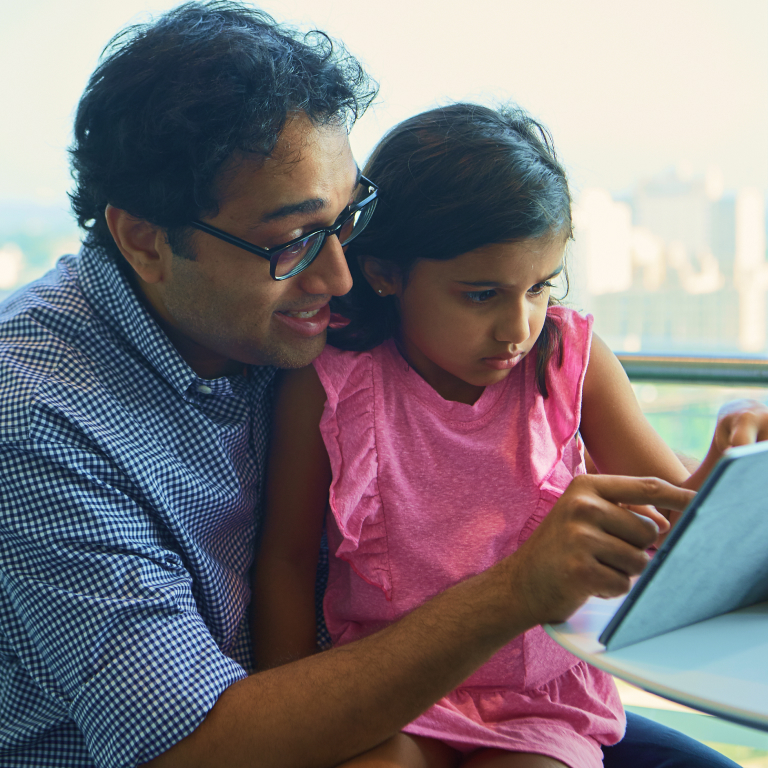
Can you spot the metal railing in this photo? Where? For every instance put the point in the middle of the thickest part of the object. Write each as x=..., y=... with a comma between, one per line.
x=737, y=371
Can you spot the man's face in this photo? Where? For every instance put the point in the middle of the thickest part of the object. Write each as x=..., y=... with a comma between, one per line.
x=223, y=309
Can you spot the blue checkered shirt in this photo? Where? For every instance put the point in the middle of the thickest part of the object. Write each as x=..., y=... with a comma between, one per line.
x=129, y=494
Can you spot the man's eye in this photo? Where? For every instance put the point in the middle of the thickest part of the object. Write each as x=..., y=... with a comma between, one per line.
x=479, y=297
x=296, y=248
x=343, y=216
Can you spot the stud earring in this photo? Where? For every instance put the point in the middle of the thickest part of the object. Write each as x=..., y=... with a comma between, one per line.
x=380, y=292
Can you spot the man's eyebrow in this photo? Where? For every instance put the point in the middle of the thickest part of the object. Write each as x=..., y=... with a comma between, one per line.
x=312, y=205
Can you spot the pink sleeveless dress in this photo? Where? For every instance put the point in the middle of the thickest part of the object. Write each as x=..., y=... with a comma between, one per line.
x=427, y=492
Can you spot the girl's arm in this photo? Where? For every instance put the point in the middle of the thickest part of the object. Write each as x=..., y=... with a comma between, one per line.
x=298, y=477
x=621, y=441
x=615, y=431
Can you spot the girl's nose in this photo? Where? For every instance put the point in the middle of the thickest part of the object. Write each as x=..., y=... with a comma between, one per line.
x=328, y=273
x=512, y=326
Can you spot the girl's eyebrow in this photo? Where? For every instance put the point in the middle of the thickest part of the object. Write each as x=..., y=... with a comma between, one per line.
x=494, y=284
x=556, y=272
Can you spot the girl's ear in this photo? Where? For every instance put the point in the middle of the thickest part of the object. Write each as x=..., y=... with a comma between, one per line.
x=383, y=276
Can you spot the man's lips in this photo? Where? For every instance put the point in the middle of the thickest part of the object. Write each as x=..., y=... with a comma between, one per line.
x=338, y=321
x=503, y=362
x=306, y=322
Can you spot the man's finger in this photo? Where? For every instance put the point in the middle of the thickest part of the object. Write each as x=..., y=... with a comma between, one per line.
x=662, y=522
x=638, y=531
x=610, y=582
x=623, y=558
x=620, y=489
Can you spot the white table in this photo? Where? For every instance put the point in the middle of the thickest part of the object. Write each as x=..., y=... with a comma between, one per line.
x=719, y=666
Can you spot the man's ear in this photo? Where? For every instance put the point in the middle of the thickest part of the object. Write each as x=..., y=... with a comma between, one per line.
x=144, y=245
x=383, y=276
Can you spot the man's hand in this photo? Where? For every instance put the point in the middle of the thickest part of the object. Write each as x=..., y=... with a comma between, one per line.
x=591, y=545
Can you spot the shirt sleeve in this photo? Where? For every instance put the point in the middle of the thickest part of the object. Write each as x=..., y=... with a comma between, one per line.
x=97, y=605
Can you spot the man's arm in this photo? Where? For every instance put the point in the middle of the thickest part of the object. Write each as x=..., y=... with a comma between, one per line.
x=100, y=617
x=324, y=709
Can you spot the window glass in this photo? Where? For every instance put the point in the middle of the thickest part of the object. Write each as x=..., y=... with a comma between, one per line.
x=685, y=414
x=659, y=110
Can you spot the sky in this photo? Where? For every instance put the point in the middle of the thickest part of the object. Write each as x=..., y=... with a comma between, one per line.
x=627, y=89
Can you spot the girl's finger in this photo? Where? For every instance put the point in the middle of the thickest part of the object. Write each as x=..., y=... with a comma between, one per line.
x=744, y=431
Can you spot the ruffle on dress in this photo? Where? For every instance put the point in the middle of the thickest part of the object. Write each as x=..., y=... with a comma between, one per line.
x=354, y=498
x=556, y=419
x=468, y=718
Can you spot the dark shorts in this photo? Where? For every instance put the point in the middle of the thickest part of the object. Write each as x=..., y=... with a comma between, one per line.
x=650, y=745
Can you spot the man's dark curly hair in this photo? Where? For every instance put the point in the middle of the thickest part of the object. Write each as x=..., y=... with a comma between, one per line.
x=171, y=101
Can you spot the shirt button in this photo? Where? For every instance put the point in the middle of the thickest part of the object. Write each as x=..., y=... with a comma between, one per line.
x=204, y=389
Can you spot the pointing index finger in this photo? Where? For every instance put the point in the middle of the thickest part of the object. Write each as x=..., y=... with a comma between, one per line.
x=621, y=489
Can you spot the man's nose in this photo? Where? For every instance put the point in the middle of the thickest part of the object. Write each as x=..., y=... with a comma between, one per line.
x=328, y=273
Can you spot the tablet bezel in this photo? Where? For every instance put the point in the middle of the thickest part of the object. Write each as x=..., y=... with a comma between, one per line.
x=718, y=475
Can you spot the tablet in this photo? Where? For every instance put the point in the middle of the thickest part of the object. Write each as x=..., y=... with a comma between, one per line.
x=714, y=561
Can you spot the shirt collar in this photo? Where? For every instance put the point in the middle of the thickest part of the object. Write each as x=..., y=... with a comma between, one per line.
x=112, y=296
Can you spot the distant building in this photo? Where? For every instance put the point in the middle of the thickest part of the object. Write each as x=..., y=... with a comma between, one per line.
x=677, y=267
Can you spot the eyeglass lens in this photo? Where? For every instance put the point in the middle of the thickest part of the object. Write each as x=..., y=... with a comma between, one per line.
x=297, y=256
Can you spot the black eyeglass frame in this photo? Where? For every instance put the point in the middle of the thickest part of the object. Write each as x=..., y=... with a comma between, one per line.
x=273, y=254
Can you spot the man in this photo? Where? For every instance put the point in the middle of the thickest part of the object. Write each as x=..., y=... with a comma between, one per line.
x=137, y=386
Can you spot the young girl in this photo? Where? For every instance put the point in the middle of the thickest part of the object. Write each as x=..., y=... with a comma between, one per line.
x=453, y=412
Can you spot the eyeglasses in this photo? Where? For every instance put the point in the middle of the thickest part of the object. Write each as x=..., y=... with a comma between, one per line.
x=290, y=258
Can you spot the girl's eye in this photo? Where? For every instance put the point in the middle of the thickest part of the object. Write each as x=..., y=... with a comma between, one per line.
x=539, y=288
x=478, y=297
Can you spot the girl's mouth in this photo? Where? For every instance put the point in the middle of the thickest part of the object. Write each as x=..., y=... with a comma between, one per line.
x=503, y=363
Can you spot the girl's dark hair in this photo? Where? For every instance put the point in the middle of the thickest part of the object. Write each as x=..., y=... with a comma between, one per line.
x=452, y=180
x=172, y=101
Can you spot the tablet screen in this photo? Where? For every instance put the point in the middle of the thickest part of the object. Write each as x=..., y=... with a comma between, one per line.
x=713, y=562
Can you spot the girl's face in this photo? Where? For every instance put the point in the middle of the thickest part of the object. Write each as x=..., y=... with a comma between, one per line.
x=465, y=323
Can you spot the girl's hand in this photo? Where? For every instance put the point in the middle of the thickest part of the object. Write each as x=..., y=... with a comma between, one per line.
x=741, y=422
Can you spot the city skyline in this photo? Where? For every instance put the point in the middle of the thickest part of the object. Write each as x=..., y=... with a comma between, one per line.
x=679, y=264
x=674, y=89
